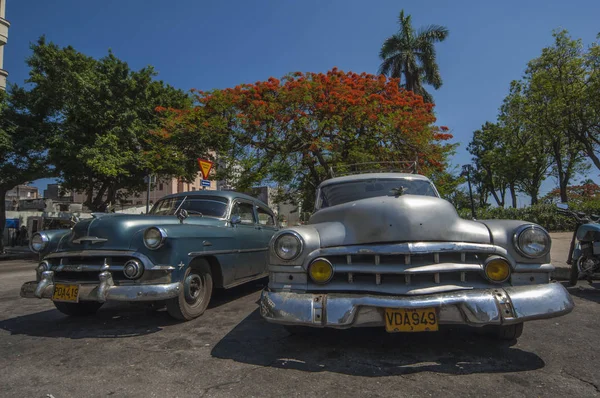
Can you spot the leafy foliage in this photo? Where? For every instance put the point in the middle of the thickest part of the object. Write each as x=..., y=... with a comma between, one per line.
x=411, y=54
x=104, y=113
x=294, y=131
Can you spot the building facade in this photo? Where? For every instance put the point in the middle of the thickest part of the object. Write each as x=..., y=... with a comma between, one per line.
x=158, y=189
x=4, y=25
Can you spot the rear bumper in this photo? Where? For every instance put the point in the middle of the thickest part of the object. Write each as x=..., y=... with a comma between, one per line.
x=103, y=291
x=473, y=307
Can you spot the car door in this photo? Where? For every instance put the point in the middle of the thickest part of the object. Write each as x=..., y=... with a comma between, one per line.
x=248, y=238
x=267, y=227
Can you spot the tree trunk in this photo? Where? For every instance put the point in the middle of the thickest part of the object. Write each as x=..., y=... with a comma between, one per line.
x=513, y=195
x=2, y=218
x=534, y=192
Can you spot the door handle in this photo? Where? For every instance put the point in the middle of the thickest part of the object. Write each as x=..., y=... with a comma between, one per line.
x=257, y=227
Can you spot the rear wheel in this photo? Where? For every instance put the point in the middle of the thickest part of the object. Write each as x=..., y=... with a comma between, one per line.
x=507, y=332
x=78, y=309
x=193, y=299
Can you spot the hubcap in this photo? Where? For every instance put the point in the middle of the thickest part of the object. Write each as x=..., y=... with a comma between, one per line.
x=193, y=289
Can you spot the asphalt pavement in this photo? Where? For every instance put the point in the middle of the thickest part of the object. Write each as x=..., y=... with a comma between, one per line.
x=137, y=351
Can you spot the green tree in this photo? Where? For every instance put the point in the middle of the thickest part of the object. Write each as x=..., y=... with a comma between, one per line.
x=106, y=115
x=25, y=131
x=412, y=54
x=556, y=100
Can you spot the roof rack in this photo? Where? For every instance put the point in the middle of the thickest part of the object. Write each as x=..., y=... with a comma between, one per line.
x=375, y=167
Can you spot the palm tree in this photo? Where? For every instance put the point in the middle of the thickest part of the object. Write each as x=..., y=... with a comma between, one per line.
x=412, y=54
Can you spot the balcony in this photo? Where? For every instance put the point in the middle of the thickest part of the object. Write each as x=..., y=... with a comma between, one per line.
x=3, y=75
x=4, y=25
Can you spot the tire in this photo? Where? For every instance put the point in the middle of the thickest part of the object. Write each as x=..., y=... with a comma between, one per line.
x=508, y=332
x=574, y=273
x=195, y=295
x=78, y=309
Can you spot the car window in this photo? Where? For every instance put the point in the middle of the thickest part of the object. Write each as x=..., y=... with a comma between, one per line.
x=345, y=192
x=206, y=206
x=245, y=211
x=264, y=217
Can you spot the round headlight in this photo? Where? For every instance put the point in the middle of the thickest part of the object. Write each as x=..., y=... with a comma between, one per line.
x=133, y=269
x=154, y=237
x=39, y=241
x=320, y=271
x=497, y=269
x=532, y=241
x=288, y=246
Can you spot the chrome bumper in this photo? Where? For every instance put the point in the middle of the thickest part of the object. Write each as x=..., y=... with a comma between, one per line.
x=103, y=291
x=473, y=307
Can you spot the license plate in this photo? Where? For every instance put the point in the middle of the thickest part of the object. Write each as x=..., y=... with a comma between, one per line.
x=66, y=293
x=411, y=320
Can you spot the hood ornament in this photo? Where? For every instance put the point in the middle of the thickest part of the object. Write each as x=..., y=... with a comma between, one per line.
x=398, y=191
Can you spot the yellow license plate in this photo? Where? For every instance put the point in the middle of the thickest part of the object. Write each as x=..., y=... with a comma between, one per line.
x=411, y=320
x=66, y=293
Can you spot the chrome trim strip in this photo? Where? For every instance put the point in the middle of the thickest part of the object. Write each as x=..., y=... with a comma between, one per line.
x=403, y=269
x=234, y=251
x=91, y=239
x=408, y=249
x=103, y=253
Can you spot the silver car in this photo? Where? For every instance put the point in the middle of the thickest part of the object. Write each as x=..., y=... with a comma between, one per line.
x=385, y=250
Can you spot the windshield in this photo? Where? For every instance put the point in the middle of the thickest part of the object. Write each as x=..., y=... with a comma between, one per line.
x=336, y=194
x=207, y=206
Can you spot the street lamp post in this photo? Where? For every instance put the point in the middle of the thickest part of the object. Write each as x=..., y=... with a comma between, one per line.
x=467, y=171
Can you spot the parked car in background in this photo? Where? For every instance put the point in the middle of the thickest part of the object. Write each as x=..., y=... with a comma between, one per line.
x=385, y=250
x=189, y=244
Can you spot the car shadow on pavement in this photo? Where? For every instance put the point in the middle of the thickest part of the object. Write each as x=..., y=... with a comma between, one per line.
x=111, y=321
x=586, y=291
x=224, y=296
x=371, y=351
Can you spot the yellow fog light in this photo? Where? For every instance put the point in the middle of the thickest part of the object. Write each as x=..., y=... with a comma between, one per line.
x=320, y=270
x=497, y=269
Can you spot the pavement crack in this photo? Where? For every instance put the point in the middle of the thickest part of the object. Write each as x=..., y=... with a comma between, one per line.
x=584, y=380
x=218, y=386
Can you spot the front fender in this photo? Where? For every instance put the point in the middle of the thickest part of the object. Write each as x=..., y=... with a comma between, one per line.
x=503, y=232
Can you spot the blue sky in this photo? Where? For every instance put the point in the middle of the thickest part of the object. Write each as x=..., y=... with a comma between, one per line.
x=205, y=45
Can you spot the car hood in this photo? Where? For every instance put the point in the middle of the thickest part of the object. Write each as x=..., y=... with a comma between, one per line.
x=116, y=231
x=406, y=218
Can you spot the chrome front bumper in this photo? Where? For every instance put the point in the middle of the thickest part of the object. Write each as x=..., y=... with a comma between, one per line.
x=499, y=306
x=103, y=291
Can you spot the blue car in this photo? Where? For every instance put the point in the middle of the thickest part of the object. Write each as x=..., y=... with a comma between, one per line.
x=189, y=244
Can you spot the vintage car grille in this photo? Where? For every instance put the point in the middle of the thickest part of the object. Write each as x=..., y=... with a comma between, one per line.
x=409, y=274
x=87, y=268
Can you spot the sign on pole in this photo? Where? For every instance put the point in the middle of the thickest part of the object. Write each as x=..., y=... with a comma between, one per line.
x=205, y=167
x=205, y=183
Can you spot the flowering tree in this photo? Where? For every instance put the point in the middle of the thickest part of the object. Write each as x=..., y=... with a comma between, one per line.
x=295, y=130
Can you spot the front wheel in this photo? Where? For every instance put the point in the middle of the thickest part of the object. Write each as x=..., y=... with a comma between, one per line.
x=78, y=309
x=574, y=273
x=193, y=299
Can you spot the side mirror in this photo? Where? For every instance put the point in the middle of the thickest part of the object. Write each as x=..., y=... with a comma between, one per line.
x=236, y=220
x=562, y=206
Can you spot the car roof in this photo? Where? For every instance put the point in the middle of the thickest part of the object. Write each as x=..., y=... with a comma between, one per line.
x=370, y=176
x=230, y=195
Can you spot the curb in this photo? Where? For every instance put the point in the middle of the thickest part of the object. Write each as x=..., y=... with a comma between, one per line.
x=560, y=274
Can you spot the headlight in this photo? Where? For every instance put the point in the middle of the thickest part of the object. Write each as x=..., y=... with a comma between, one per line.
x=497, y=269
x=39, y=241
x=532, y=241
x=320, y=271
x=154, y=237
x=288, y=246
